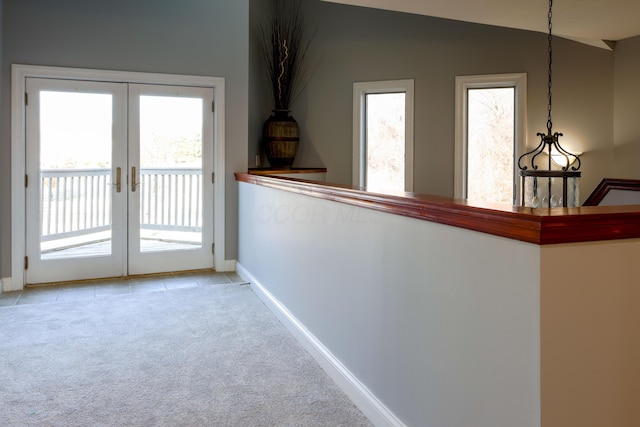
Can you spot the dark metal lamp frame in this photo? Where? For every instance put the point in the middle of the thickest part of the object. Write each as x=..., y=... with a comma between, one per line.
x=548, y=142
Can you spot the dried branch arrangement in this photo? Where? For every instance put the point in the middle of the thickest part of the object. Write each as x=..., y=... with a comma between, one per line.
x=284, y=45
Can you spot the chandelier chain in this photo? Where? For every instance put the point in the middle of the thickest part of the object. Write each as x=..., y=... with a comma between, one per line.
x=549, y=121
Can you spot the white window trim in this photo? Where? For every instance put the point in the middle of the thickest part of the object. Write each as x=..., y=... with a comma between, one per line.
x=463, y=84
x=360, y=91
x=19, y=74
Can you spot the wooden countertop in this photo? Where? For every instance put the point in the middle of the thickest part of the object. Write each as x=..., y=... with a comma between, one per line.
x=538, y=226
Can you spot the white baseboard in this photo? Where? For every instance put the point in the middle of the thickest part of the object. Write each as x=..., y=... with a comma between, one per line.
x=5, y=285
x=359, y=394
x=230, y=265
x=226, y=265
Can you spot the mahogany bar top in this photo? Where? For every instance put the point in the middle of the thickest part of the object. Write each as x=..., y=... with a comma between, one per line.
x=540, y=226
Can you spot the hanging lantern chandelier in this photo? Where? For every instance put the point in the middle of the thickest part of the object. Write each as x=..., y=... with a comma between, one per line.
x=549, y=188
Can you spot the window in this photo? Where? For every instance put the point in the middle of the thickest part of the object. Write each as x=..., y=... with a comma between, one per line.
x=490, y=135
x=383, y=135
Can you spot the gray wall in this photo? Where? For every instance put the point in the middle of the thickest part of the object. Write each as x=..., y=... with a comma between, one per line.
x=4, y=154
x=211, y=37
x=627, y=109
x=261, y=104
x=197, y=37
x=357, y=44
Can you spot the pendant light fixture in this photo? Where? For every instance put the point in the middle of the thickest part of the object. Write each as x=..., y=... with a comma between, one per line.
x=549, y=188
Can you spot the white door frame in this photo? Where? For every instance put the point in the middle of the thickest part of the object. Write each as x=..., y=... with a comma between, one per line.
x=19, y=74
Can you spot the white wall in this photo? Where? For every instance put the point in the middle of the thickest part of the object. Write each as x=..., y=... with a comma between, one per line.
x=440, y=324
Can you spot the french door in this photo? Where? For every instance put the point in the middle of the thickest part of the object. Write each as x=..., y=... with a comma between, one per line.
x=119, y=179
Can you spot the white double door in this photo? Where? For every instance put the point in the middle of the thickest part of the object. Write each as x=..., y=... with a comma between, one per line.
x=119, y=179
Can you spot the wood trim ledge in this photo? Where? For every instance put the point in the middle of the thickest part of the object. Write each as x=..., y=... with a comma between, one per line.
x=538, y=226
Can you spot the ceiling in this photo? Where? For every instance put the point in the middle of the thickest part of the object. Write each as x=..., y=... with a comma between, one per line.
x=594, y=22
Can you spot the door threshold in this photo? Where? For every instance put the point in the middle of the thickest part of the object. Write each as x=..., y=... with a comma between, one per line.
x=108, y=279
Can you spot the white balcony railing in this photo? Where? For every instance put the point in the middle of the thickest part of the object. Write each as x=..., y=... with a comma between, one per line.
x=77, y=202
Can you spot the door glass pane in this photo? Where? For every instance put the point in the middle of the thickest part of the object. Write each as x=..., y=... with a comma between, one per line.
x=75, y=174
x=170, y=173
x=490, y=149
x=385, y=136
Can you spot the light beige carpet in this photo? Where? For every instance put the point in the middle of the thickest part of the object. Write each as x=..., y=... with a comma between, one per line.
x=204, y=356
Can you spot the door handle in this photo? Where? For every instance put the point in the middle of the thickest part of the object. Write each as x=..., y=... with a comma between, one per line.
x=118, y=183
x=134, y=184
